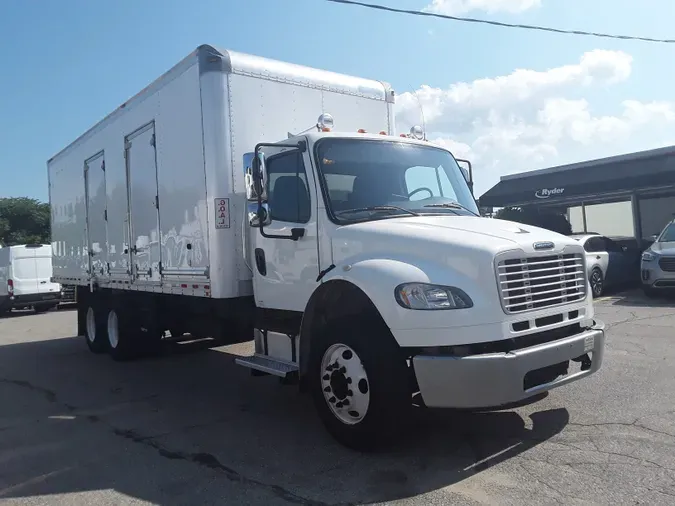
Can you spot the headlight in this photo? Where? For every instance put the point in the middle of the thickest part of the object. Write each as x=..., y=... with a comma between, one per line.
x=425, y=296
x=647, y=256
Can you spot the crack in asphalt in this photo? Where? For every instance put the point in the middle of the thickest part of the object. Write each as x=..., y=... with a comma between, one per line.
x=634, y=424
x=545, y=483
x=202, y=459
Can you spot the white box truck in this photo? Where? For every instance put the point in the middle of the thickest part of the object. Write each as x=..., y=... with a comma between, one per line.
x=26, y=278
x=214, y=203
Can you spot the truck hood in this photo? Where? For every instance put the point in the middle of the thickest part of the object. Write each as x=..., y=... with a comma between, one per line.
x=433, y=235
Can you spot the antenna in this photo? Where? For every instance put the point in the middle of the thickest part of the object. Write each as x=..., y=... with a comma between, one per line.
x=424, y=123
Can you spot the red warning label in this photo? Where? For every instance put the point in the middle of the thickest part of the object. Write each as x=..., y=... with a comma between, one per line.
x=222, y=207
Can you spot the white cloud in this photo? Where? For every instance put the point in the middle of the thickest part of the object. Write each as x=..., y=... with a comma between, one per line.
x=456, y=7
x=527, y=120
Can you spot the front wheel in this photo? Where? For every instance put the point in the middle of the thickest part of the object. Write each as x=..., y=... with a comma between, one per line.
x=597, y=283
x=360, y=387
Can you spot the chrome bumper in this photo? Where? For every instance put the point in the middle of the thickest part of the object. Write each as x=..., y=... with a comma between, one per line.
x=497, y=379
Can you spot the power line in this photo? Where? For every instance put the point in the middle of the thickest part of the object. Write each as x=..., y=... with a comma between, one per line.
x=499, y=23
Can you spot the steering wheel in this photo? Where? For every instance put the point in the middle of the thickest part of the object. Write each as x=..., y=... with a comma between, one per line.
x=423, y=188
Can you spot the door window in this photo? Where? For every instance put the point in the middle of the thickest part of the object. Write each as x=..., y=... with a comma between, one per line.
x=595, y=245
x=288, y=194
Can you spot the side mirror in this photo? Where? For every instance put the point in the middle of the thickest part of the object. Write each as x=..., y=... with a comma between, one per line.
x=653, y=238
x=624, y=248
x=255, y=176
x=255, y=214
x=467, y=172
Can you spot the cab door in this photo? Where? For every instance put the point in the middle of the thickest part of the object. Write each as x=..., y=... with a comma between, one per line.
x=285, y=268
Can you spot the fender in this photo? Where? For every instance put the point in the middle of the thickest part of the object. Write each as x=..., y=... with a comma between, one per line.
x=377, y=278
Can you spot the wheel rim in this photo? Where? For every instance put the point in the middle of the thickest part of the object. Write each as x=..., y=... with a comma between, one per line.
x=113, y=329
x=91, y=325
x=596, y=283
x=345, y=384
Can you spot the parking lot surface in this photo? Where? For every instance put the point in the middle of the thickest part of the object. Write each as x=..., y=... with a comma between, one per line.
x=191, y=427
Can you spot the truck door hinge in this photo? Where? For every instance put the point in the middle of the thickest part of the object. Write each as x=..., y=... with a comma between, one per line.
x=156, y=201
x=105, y=215
x=103, y=165
x=152, y=140
x=160, y=267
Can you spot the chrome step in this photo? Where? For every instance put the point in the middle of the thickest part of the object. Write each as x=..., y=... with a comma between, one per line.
x=267, y=365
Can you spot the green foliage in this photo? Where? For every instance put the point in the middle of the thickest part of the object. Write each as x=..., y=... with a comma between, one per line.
x=538, y=218
x=24, y=221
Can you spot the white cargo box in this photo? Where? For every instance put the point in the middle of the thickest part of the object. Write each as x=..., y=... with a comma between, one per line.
x=152, y=197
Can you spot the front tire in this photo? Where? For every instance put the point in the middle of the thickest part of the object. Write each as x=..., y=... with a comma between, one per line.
x=359, y=384
x=597, y=282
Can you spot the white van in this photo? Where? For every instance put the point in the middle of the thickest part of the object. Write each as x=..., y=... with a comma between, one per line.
x=25, y=278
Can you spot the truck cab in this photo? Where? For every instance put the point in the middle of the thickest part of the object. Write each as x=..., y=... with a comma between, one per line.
x=375, y=276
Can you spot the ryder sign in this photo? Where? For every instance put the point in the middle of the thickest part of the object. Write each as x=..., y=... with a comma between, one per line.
x=548, y=192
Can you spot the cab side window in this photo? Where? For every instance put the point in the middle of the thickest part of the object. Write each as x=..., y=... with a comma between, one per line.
x=288, y=194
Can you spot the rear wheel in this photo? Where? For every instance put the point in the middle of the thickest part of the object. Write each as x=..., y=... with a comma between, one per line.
x=359, y=384
x=127, y=339
x=94, y=332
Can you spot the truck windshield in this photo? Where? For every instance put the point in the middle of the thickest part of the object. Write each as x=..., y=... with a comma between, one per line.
x=368, y=179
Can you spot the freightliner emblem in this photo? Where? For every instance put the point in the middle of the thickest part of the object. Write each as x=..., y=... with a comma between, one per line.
x=543, y=245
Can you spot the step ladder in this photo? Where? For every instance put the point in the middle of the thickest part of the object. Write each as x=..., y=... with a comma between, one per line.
x=268, y=365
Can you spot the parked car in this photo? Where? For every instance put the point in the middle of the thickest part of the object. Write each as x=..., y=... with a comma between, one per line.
x=25, y=278
x=608, y=263
x=657, y=266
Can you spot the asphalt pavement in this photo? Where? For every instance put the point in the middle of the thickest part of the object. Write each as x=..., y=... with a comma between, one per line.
x=191, y=427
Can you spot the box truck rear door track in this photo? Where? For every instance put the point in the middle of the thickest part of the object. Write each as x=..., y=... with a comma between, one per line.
x=145, y=248
x=96, y=218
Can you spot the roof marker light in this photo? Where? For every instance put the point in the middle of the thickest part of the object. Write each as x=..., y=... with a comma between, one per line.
x=362, y=131
x=325, y=122
x=383, y=132
x=417, y=132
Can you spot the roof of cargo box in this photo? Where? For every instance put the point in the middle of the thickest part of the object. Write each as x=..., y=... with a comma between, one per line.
x=212, y=59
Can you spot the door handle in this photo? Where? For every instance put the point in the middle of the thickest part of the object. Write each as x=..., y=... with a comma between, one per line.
x=597, y=257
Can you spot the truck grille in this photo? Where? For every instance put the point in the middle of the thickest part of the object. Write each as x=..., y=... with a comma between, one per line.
x=539, y=282
x=667, y=264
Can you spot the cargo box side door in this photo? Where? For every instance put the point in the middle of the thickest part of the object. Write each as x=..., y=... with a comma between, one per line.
x=145, y=244
x=96, y=215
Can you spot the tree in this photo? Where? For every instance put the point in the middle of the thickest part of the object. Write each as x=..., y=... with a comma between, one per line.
x=556, y=222
x=24, y=221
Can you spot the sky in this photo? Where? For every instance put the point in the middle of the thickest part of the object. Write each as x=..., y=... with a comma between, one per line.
x=510, y=100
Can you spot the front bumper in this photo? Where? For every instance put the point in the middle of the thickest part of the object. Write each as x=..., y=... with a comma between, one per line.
x=497, y=379
x=653, y=276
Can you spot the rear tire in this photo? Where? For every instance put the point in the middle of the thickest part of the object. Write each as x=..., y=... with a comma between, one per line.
x=94, y=330
x=127, y=338
x=359, y=383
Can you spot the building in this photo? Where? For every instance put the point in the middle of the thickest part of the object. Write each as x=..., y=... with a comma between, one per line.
x=629, y=196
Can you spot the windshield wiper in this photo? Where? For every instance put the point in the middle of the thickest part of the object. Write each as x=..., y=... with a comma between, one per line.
x=378, y=208
x=453, y=205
